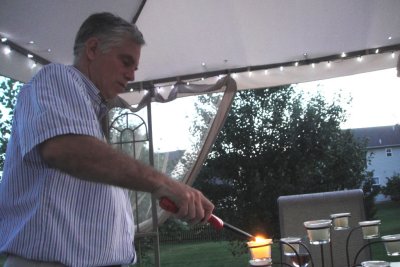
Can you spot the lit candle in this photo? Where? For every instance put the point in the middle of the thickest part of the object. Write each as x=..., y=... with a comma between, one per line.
x=260, y=249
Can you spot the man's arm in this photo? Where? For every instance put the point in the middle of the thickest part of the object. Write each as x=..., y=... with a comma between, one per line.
x=90, y=159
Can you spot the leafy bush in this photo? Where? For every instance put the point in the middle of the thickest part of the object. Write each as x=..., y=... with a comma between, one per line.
x=392, y=187
x=370, y=192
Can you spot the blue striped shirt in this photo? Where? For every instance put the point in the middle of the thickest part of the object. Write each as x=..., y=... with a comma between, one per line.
x=46, y=214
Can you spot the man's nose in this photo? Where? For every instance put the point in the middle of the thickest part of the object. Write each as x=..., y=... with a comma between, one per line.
x=130, y=75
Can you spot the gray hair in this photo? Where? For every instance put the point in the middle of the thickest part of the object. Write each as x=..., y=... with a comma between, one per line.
x=109, y=29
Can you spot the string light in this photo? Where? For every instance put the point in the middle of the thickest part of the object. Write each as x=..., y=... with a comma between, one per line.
x=266, y=72
x=343, y=54
x=30, y=56
x=393, y=55
x=359, y=58
x=328, y=64
x=4, y=39
x=313, y=65
x=296, y=63
x=281, y=68
x=6, y=50
x=377, y=51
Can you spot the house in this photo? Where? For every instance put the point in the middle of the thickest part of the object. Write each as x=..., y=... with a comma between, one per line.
x=383, y=144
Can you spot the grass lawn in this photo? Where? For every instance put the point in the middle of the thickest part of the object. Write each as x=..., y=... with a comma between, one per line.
x=389, y=214
x=201, y=255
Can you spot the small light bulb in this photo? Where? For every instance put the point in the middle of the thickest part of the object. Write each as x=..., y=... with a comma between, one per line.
x=31, y=42
x=29, y=56
x=187, y=83
x=390, y=38
x=328, y=64
x=266, y=72
x=313, y=65
x=33, y=65
x=393, y=55
x=234, y=75
x=203, y=64
x=250, y=73
x=359, y=58
x=7, y=50
x=281, y=68
x=377, y=51
x=3, y=39
x=343, y=54
x=296, y=63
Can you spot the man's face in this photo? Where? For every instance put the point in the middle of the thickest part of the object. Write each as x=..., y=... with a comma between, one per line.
x=111, y=71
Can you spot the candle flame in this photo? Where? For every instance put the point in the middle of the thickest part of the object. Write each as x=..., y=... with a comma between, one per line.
x=260, y=238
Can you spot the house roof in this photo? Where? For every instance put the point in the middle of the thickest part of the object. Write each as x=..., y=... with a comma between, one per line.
x=382, y=136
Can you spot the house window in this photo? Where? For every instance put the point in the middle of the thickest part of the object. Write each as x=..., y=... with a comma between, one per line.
x=388, y=152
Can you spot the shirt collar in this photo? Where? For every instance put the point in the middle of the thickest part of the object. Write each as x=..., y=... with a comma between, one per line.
x=98, y=101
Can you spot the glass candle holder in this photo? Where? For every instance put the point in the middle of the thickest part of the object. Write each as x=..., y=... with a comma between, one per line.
x=319, y=231
x=370, y=229
x=294, y=245
x=392, y=244
x=375, y=264
x=260, y=252
x=340, y=221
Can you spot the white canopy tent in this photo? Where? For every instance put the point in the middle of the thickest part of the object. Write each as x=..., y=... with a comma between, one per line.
x=260, y=43
x=225, y=35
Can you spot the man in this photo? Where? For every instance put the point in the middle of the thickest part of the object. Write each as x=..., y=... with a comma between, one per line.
x=64, y=194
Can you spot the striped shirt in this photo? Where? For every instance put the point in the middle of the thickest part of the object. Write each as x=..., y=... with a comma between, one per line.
x=46, y=214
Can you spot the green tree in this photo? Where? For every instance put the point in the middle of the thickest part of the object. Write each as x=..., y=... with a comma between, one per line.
x=9, y=89
x=275, y=142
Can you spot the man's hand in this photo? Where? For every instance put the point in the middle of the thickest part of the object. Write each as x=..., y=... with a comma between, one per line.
x=192, y=205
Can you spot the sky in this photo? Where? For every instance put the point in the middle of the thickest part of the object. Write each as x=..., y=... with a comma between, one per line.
x=375, y=97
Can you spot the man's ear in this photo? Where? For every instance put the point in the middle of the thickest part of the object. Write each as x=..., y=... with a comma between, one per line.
x=92, y=47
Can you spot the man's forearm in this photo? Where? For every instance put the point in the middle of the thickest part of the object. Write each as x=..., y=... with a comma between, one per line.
x=88, y=158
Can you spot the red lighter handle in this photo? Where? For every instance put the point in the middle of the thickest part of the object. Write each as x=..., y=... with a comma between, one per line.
x=168, y=205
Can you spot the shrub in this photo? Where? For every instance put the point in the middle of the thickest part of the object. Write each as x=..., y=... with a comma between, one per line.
x=392, y=187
